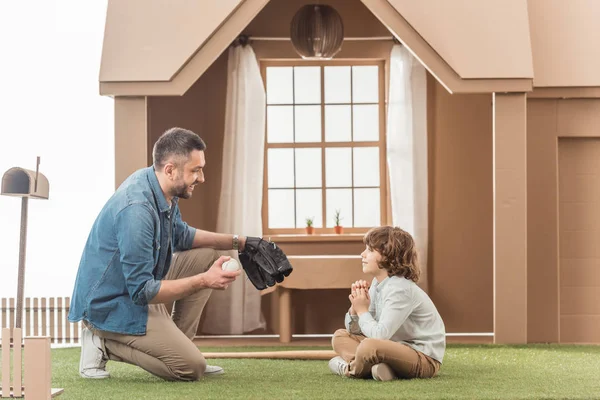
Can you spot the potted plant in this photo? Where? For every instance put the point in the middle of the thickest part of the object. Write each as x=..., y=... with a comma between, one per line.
x=338, y=227
x=310, y=229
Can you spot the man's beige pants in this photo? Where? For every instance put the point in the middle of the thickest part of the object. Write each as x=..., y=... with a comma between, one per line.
x=362, y=353
x=167, y=350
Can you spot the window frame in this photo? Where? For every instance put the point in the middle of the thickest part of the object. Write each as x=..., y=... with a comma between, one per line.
x=381, y=144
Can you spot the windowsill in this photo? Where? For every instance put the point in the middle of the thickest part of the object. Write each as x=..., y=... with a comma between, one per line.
x=323, y=237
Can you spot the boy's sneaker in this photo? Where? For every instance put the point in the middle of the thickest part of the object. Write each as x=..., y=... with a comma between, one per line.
x=382, y=372
x=92, y=363
x=212, y=370
x=338, y=366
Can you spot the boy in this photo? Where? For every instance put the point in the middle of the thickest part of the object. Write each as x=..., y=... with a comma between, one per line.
x=393, y=329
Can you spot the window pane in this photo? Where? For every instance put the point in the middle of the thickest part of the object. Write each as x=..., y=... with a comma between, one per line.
x=281, y=208
x=307, y=85
x=309, y=203
x=366, y=208
x=308, y=124
x=308, y=168
x=338, y=171
x=339, y=199
x=280, y=124
x=280, y=85
x=337, y=84
x=365, y=84
x=366, y=166
x=338, y=124
x=365, y=123
x=281, y=168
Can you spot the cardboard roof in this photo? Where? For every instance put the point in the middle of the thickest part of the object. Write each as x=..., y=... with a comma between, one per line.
x=161, y=47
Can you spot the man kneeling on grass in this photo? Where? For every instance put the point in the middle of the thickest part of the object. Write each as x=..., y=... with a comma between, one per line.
x=393, y=329
x=139, y=257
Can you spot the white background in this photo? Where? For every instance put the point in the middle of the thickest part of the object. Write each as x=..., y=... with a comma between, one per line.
x=50, y=107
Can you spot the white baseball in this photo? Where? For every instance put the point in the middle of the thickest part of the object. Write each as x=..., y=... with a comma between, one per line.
x=231, y=265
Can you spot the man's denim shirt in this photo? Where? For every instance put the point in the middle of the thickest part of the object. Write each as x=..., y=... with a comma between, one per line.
x=127, y=254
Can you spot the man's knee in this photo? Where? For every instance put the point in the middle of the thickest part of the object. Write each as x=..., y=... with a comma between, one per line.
x=192, y=367
x=192, y=262
x=203, y=256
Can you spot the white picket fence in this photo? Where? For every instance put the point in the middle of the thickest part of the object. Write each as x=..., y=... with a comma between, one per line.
x=42, y=317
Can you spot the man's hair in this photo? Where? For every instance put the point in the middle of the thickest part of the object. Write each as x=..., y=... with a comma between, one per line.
x=175, y=143
x=397, y=249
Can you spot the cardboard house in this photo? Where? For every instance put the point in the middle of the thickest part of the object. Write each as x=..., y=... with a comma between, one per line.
x=513, y=109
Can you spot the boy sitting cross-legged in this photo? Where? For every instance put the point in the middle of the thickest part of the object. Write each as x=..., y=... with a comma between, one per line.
x=393, y=329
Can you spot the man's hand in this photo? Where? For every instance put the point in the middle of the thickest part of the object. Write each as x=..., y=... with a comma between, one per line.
x=216, y=278
x=360, y=300
x=213, y=278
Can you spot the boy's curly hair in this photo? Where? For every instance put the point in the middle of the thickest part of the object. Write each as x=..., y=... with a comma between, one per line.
x=397, y=249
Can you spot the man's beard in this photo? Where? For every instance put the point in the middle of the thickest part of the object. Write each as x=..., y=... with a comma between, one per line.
x=181, y=191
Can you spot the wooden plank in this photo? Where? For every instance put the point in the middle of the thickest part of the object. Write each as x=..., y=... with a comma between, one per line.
x=76, y=330
x=279, y=355
x=52, y=334
x=37, y=367
x=44, y=317
x=36, y=324
x=510, y=218
x=11, y=320
x=3, y=313
x=17, y=361
x=59, y=321
x=285, y=315
x=6, y=362
x=56, y=392
x=28, y=316
x=66, y=322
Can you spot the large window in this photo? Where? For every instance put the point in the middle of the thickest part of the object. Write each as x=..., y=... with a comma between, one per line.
x=325, y=146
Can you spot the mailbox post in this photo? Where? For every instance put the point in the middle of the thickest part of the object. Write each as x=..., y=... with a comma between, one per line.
x=24, y=183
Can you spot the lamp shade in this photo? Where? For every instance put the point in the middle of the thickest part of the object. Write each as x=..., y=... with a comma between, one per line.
x=317, y=32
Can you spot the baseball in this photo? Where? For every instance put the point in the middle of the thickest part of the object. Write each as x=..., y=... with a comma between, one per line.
x=231, y=265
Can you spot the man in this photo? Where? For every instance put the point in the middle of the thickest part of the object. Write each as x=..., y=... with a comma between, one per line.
x=139, y=257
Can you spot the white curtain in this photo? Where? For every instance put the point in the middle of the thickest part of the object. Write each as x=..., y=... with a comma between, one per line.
x=407, y=149
x=237, y=309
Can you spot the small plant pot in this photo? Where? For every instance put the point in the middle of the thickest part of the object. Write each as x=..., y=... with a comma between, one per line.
x=338, y=229
x=310, y=230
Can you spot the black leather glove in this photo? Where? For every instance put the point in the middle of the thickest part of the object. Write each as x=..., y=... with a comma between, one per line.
x=264, y=262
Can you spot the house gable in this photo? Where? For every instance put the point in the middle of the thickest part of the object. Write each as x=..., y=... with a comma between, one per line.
x=155, y=47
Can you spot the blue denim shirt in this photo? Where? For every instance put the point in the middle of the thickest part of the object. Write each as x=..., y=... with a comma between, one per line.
x=127, y=254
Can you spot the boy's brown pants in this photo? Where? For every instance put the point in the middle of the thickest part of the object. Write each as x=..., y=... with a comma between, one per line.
x=362, y=353
x=167, y=350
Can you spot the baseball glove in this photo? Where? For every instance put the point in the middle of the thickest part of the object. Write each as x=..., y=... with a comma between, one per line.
x=264, y=262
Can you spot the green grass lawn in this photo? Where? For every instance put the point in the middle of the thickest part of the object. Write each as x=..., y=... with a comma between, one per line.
x=468, y=372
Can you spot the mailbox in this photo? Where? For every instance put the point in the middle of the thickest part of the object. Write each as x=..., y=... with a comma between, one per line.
x=22, y=182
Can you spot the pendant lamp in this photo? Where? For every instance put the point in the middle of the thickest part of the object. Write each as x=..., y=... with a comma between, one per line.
x=317, y=32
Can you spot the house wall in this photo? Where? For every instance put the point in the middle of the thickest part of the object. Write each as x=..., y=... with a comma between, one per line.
x=309, y=315
x=563, y=222
x=201, y=109
x=460, y=275
x=461, y=209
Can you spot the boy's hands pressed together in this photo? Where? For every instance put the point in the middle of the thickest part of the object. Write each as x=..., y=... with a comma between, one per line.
x=354, y=287
x=360, y=300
